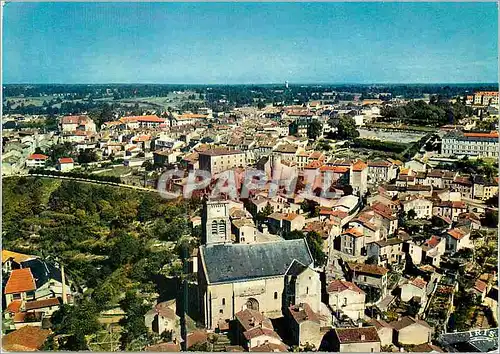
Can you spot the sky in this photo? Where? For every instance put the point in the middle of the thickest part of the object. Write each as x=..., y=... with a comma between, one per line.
x=242, y=43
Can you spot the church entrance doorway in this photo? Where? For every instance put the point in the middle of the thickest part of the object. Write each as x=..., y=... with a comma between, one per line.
x=252, y=304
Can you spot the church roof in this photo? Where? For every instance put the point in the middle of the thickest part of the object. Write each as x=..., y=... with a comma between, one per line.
x=238, y=262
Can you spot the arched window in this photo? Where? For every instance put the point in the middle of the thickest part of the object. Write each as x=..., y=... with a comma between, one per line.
x=214, y=227
x=222, y=227
x=307, y=290
x=275, y=295
x=223, y=301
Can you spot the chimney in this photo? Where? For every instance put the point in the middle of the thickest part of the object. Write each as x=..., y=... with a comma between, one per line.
x=360, y=324
x=63, y=281
x=378, y=317
x=363, y=337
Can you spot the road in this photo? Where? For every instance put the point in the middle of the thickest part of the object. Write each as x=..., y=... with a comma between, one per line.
x=87, y=181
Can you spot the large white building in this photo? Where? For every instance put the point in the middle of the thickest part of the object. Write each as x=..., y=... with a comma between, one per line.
x=472, y=144
x=220, y=159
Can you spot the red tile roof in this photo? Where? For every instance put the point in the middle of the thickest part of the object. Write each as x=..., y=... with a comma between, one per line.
x=148, y=118
x=353, y=232
x=65, y=160
x=20, y=280
x=14, y=306
x=407, y=321
x=259, y=331
x=419, y=283
x=367, y=268
x=37, y=157
x=39, y=304
x=457, y=233
x=480, y=286
x=357, y=335
x=302, y=313
x=359, y=166
x=492, y=134
x=341, y=285
x=27, y=338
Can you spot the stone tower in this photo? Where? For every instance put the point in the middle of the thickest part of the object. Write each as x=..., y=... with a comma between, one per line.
x=216, y=223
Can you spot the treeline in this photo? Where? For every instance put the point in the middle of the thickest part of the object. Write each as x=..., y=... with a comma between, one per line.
x=436, y=113
x=73, y=174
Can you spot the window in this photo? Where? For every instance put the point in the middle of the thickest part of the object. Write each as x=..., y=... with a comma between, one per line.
x=16, y=296
x=275, y=295
x=223, y=301
x=221, y=311
x=307, y=290
x=345, y=301
x=214, y=227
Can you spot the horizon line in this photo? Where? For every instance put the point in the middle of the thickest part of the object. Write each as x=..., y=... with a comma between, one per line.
x=261, y=83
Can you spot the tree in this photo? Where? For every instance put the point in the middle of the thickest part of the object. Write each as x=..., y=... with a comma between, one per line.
x=264, y=213
x=412, y=214
x=346, y=128
x=87, y=156
x=314, y=242
x=133, y=322
x=314, y=129
x=125, y=249
x=77, y=321
x=261, y=104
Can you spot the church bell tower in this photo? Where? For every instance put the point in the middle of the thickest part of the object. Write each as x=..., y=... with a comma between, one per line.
x=216, y=223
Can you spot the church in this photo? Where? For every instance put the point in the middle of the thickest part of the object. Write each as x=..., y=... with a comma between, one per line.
x=266, y=277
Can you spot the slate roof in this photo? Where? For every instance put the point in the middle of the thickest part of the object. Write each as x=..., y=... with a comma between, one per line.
x=238, y=262
x=43, y=271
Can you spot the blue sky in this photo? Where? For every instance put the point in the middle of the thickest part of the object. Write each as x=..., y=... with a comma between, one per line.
x=230, y=43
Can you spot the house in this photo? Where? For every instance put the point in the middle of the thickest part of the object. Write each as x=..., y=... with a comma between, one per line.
x=141, y=122
x=449, y=209
x=369, y=275
x=20, y=286
x=384, y=331
x=244, y=230
x=74, y=123
x=162, y=318
x=434, y=248
x=381, y=171
x=420, y=206
x=359, y=178
x=480, y=289
x=347, y=298
x=13, y=260
x=218, y=160
x=36, y=161
x=414, y=289
x=25, y=339
x=386, y=252
x=65, y=164
x=254, y=329
x=351, y=340
x=304, y=325
x=411, y=331
x=170, y=347
x=352, y=242
x=48, y=279
x=457, y=239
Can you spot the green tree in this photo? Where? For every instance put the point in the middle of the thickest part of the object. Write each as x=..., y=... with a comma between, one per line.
x=133, y=326
x=346, y=128
x=77, y=321
x=314, y=129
